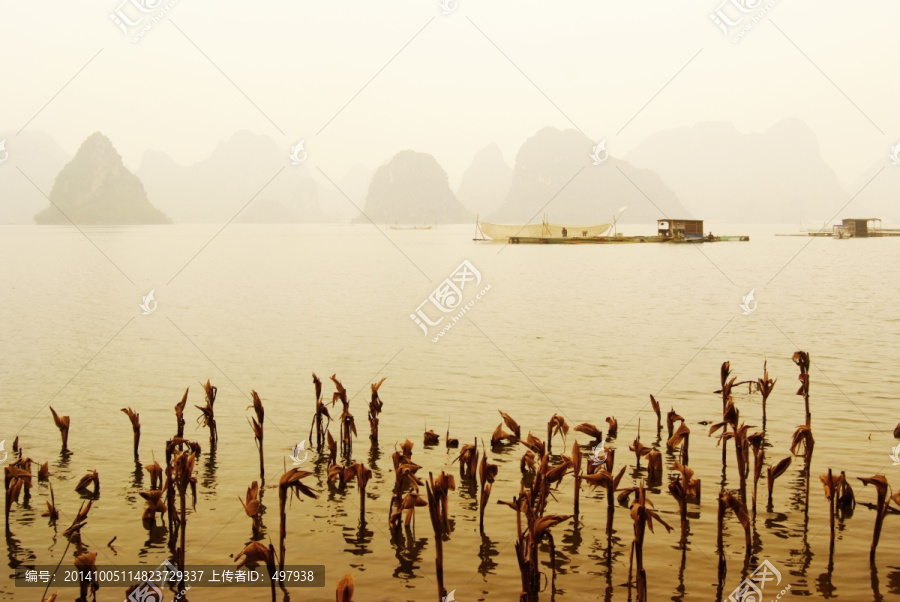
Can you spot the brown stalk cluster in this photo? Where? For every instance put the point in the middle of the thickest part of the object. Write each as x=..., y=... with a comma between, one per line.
x=251, y=504
x=16, y=478
x=643, y=515
x=468, y=460
x=322, y=418
x=438, y=510
x=181, y=475
x=348, y=425
x=533, y=525
x=207, y=417
x=840, y=498
x=501, y=437
x=684, y=488
x=557, y=425
x=405, y=496
x=375, y=407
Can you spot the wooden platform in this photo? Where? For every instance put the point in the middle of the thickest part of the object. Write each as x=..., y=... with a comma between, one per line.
x=614, y=240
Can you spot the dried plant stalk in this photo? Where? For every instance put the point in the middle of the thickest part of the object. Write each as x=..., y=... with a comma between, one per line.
x=487, y=472
x=256, y=552
x=290, y=482
x=62, y=423
x=881, y=508
x=348, y=425
x=765, y=386
x=375, y=407
x=774, y=472
x=257, y=424
x=655, y=405
x=135, y=419
x=801, y=358
x=208, y=415
x=556, y=425
x=179, y=415
x=320, y=416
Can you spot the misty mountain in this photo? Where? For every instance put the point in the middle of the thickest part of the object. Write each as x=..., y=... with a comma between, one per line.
x=722, y=174
x=40, y=158
x=354, y=183
x=486, y=182
x=96, y=188
x=216, y=189
x=555, y=175
x=412, y=189
x=301, y=207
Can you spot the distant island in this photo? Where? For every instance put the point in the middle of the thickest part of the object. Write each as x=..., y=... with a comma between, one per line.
x=412, y=189
x=95, y=188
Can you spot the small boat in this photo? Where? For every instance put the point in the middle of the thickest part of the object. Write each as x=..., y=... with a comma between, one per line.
x=411, y=227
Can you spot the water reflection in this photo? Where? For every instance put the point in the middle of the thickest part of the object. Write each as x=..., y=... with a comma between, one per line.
x=358, y=539
x=893, y=579
x=468, y=490
x=65, y=457
x=374, y=456
x=876, y=591
x=572, y=538
x=156, y=537
x=16, y=553
x=137, y=476
x=681, y=590
x=408, y=551
x=824, y=584
x=486, y=553
x=208, y=479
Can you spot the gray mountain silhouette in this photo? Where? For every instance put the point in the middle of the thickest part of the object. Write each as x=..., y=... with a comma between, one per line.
x=778, y=176
x=96, y=188
x=555, y=175
x=486, y=182
x=245, y=167
x=412, y=189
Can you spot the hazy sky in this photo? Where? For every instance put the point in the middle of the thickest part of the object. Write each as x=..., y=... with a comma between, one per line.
x=451, y=90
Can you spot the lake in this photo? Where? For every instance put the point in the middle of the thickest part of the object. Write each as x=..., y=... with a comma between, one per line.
x=585, y=332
